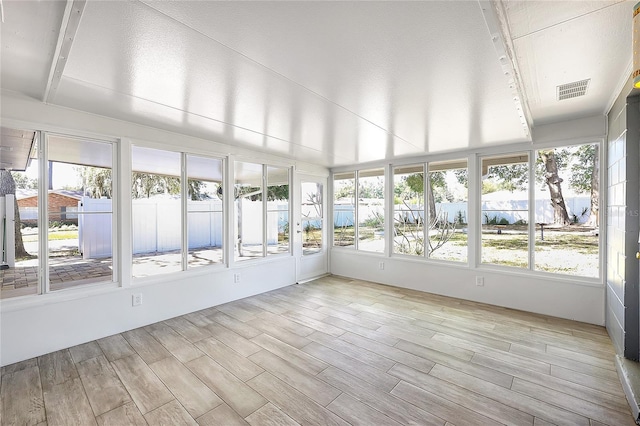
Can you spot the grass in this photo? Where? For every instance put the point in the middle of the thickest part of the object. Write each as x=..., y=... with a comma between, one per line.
x=53, y=235
x=581, y=243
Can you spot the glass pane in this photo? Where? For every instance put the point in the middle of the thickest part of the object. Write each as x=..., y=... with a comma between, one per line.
x=204, y=211
x=249, y=211
x=567, y=184
x=312, y=222
x=277, y=210
x=448, y=196
x=505, y=210
x=344, y=209
x=18, y=214
x=408, y=210
x=80, y=213
x=156, y=212
x=371, y=210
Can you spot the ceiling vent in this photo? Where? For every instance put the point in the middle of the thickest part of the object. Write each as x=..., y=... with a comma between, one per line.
x=572, y=90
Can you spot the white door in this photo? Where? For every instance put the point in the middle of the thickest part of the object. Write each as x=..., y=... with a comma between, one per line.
x=311, y=227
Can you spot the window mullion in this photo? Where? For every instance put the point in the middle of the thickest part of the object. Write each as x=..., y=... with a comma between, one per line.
x=389, y=214
x=265, y=241
x=474, y=220
x=425, y=210
x=532, y=210
x=184, y=189
x=356, y=213
x=229, y=212
x=43, y=215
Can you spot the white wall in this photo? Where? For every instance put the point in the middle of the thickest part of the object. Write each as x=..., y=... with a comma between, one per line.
x=58, y=321
x=561, y=298
x=579, y=130
x=34, y=325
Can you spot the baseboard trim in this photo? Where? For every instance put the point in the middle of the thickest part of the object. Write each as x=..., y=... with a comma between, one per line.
x=629, y=373
x=314, y=278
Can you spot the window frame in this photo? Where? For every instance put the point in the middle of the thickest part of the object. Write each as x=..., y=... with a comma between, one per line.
x=44, y=283
x=427, y=237
x=185, y=210
x=357, y=189
x=530, y=211
x=531, y=270
x=474, y=208
x=233, y=258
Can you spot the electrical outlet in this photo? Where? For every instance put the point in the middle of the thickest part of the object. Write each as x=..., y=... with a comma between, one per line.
x=236, y=278
x=136, y=299
x=479, y=281
x=381, y=265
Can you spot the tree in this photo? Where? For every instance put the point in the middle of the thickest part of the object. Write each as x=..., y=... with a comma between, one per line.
x=144, y=185
x=435, y=181
x=346, y=190
x=508, y=177
x=22, y=181
x=277, y=192
x=195, y=188
x=585, y=177
x=96, y=182
x=553, y=181
x=8, y=186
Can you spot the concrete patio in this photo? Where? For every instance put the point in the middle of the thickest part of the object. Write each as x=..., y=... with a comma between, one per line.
x=71, y=271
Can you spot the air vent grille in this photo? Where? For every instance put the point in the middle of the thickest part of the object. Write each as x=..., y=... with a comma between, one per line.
x=572, y=90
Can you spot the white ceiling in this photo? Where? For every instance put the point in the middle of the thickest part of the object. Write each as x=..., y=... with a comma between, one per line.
x=325, y=82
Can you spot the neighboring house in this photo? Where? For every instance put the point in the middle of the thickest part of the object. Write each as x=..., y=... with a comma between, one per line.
x=60, y=201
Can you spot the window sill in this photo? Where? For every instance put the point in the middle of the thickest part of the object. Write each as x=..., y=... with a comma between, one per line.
x=30, y=301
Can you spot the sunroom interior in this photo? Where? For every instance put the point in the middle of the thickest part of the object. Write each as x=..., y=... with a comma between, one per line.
x=170, y=157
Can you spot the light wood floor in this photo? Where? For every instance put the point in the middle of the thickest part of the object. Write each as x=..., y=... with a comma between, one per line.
x=330, y=352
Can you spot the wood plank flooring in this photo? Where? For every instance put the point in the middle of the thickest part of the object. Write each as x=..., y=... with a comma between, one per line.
x=330, y=352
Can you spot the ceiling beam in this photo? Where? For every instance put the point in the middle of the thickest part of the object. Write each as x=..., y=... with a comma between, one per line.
x=496, y=19
x=70, y=23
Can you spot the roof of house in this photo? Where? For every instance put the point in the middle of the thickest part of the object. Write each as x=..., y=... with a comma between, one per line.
x=22, y=194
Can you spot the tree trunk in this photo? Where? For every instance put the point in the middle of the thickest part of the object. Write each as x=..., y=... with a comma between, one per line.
x=561, y=217
x=430, y=200
x=8, y=186
x=594, y=218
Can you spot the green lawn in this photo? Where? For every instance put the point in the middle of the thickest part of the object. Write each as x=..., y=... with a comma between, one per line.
x=53, y=235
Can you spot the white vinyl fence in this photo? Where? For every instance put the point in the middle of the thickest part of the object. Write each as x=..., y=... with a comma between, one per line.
x=155, y=223
x=7, y=230
x=94, y=229
x=277, y=219
x=157, y=227
x=511, y=210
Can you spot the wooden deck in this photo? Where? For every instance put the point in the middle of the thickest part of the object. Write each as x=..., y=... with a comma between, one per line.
x=330, y=352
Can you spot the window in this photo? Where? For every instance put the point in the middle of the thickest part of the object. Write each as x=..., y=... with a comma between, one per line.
x=312, y=217
x=204, y=211
x=445, y=211
x=566, y=213
x=277, y=210
x=371, y=210
x=19, y=223
x=447, y=193
x=505, y=210
x=249, y=210
x=261, y=210
x=408, y=210
x=362, y=221
x=78, y=238
x=344, y=209
x=80, y=212
x=156, y=211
